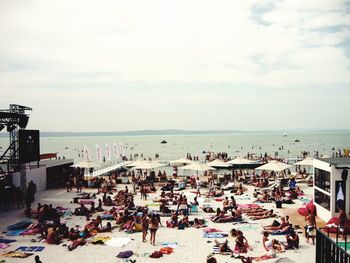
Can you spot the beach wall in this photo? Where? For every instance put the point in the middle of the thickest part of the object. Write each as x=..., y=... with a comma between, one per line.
x=37, y=175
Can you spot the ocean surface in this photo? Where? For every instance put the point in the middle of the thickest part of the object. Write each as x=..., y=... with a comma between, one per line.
x=178, y=145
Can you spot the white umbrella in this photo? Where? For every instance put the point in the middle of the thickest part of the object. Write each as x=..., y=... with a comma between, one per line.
x=182, y=161
x=148, y=165
x=201, y=167
x=240, y=160
x=274, y=166
x=86, y=164
x=219, y=163
x=306, y=161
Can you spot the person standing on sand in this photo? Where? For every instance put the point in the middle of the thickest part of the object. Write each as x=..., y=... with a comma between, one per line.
x=145, y=226
x=311, y=227
x=153, y=228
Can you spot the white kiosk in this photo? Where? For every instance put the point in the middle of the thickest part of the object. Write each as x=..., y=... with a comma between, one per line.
x=331, y=186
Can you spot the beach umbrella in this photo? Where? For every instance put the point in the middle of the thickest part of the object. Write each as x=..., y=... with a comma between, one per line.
x=306, y=162
x=219, y=163
x=182, y=161
x=148, y=165
x=274, y=166
x=200, y=167
x=86, y=164
x=240, y=161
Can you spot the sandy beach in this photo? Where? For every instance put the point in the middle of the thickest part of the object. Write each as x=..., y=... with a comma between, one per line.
x=191, y=246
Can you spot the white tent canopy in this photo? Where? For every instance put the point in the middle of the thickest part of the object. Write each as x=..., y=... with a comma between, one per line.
x=86, y=164
x=201, y=167
x=219, y=163
x=182, y=161
x=306, y=161
x=148, y=165
x=240, y=160
x=274, y=166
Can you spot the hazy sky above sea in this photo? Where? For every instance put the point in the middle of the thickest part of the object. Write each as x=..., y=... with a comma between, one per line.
x=195, y=65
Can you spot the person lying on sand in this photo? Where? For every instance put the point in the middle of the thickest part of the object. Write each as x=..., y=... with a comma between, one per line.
x=267, y=214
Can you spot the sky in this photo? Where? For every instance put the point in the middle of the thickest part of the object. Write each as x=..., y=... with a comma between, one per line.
x=116, y=65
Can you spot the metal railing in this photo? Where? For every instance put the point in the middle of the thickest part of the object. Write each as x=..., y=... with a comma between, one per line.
x=332, y=249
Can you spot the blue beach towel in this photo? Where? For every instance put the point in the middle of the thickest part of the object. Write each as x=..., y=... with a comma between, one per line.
x=20, y=225
x=15, y=233
x=214, y=235
x=31, y=249
x=7, y=241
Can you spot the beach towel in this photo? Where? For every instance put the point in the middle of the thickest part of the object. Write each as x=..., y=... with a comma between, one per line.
x=15, y=233
x=86, y=201
x=20, y=225
x=170, y=244
x=106, y=216
x=280, y=233
x=166, y=250
x=100, y=240
x=4, y=245
x=242, y=198
x=247, y=206
x=216, y=250
x=229, y=219
x=67, y=213
x=31, y=249
x=118, y=242
x=248, y=227
x=211, y=230
x=214, y=235
x=125, y=254
x=7, y=241
x=13, y=254
x=342, y=244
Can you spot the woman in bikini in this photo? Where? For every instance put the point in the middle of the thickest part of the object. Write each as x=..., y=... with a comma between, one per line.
x=153, y=228
x=145, y=226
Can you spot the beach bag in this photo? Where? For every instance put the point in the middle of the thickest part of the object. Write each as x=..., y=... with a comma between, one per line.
x=156, y=254
x=125, y=254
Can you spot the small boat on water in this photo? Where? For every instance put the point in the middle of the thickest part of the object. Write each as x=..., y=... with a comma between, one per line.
x=284, y=134
x=297, y=140
x=163, y=142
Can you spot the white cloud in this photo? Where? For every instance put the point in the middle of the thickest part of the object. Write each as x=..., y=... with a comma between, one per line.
x=130, y=50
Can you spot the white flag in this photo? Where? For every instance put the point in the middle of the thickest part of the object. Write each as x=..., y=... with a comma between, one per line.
x=87, y=154
x=116, y=151
x=122, y=149
x=98, y=153
x=108, y=152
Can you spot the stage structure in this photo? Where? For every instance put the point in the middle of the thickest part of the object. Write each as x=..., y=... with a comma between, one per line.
x=24, y=144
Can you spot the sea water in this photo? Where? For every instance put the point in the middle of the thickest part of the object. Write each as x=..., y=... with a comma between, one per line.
x=177, y=146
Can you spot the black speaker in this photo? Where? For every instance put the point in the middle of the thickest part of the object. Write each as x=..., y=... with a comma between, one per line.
x=23, y=121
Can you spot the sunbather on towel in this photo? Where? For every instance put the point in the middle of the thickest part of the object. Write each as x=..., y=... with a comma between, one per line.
x=278, y=226
x=267, y=214
x=223, y=247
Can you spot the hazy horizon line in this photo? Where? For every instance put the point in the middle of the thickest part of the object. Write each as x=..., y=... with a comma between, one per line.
x=174, y=132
